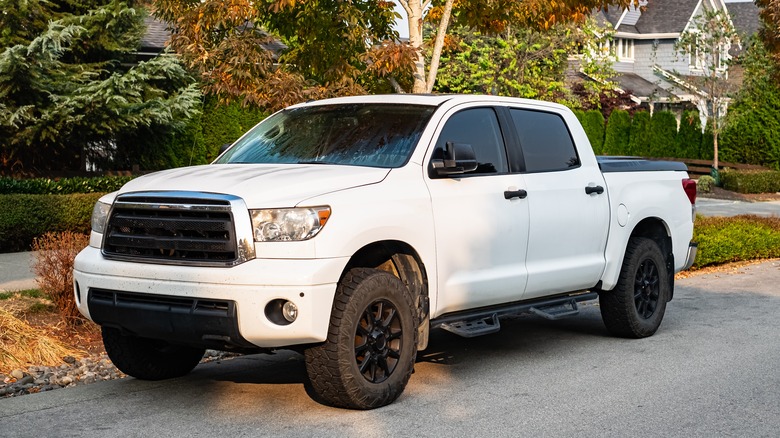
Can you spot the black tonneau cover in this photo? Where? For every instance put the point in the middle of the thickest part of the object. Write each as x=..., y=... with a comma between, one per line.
x=635, y=164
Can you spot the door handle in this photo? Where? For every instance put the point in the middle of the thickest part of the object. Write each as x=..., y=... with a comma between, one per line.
x=510, y=194
x=594, y=189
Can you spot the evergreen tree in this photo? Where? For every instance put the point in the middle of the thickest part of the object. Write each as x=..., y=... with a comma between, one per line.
x=752, y=133
x=689, y=135
x=593, y=123
x=639, y=141
x=71, y=88
x=663, y=134
x=618, y=133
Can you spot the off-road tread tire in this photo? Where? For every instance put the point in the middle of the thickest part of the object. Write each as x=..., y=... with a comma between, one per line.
x=149, y=359
x=331, y=366
x=618, y=309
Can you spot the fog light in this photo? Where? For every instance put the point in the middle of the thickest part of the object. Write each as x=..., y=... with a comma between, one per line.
x=290, y=311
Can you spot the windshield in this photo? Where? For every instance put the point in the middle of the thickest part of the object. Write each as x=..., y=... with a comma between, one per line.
x=368, y=134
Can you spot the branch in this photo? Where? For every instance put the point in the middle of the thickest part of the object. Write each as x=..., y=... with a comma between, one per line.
x=438, y=45
x=425, y=5
x=396, y=85
x=405, y=4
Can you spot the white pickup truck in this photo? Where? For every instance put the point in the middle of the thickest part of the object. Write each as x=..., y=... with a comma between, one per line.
x=349, y=228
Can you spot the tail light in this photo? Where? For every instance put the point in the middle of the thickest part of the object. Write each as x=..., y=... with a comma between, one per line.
x=689, y=186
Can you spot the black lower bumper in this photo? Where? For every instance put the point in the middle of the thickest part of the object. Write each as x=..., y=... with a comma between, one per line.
x=186, y=321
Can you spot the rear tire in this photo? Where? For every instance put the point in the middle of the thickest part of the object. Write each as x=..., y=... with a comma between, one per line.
x=635, y=308
x=149, y=359
x=371, y=348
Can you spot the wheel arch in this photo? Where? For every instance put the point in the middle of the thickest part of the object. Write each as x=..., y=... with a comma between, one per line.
x=403, y=261
x=657, y=230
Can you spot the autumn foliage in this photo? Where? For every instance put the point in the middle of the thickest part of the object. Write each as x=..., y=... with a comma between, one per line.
x=53, y=266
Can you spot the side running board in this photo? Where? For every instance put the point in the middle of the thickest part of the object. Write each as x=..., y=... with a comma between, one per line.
x=484, y=321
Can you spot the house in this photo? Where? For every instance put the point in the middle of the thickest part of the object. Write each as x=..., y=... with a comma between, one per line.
x=647, y=60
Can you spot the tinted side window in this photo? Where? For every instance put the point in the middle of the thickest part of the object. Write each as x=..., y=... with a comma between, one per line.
x=479, y=128
x=545, y=141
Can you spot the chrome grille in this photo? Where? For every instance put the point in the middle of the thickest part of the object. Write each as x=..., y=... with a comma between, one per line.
x=156, y=229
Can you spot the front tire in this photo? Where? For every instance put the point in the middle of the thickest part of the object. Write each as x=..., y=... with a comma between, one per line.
x=149, y=359
x=371, y=348
x=635, y=308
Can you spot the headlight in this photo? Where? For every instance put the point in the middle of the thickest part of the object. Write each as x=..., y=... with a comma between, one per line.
x=99, y=216
x=288, y=224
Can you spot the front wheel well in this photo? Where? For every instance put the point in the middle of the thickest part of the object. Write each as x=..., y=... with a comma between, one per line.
x=401, y=260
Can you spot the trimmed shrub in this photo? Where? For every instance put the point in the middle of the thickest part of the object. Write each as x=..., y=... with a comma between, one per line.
x=705, y=184
x=732, y=239
x=593, y=123
x=689, y=135
x=25, y=217
x=618, y=133
x=663, y=135
x=53, y=265
x=579, y=114
x=64, y=186
x=225, y=124
x=707, y=151
x=751, y=181
x=639, y=141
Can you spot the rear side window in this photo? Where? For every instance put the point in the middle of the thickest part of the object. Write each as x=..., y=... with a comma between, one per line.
x=479, y=128
x=545, y=140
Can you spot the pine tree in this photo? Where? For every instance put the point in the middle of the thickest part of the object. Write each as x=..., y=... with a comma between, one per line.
x=71, y=88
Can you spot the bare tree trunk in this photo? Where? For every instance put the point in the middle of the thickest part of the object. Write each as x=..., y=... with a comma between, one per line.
x=438, y=45
x=414, y=13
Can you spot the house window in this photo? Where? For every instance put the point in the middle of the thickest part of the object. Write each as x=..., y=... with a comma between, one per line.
x=625, y=49
x=696, y=54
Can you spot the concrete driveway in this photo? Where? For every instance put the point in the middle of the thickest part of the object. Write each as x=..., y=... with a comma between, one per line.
x=724, y=207
x=711, y=370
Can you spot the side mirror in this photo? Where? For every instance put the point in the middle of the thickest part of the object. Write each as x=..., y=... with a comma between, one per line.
x=458, y=158
x=224, y=147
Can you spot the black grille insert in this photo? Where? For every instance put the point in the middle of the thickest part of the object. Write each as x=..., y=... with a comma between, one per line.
x=183, y=231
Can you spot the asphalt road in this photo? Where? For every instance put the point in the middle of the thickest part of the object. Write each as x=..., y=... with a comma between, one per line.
x=711, y=370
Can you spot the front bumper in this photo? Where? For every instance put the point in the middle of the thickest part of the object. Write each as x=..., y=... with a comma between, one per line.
x=250, y=286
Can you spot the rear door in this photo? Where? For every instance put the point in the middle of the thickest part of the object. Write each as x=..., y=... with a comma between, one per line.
x=481, y=235
x=568, y=221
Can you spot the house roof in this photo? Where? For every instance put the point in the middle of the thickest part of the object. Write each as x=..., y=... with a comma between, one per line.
x=639, y=86
x=156, y=36
x=744, y=16
x=666, y=16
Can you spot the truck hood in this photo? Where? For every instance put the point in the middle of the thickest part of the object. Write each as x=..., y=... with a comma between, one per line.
x=260, y=185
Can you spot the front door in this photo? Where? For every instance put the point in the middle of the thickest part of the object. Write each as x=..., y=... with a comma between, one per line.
x=481, y=218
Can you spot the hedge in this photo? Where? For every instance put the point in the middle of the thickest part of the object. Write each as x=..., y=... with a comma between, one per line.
x=663, y=135
x=64, y=186
x=689, y=135
x=25, y=217
x=639, y=141
x=593, y=124
x=732, y=239
x=618, y=132
x=750, y=181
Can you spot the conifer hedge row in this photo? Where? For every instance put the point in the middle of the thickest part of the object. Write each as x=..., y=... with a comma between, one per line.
x=649, y=136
